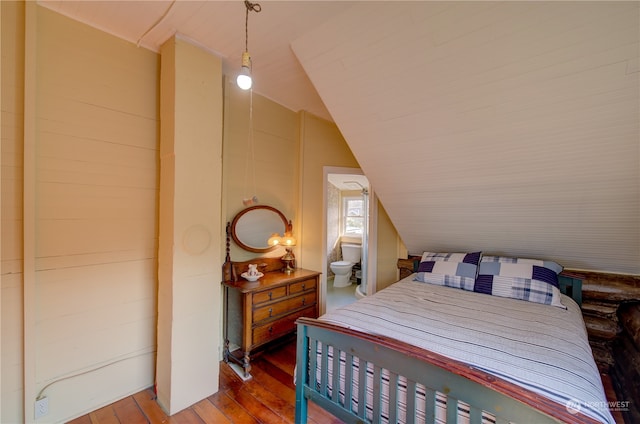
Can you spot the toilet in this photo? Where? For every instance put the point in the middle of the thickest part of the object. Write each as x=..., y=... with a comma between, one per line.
x=342, y=269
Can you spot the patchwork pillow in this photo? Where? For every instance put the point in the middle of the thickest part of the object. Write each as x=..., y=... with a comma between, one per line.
x=532, y=280
x=449, y=269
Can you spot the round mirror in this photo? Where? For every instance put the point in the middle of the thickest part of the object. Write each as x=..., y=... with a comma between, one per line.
x=252, y=227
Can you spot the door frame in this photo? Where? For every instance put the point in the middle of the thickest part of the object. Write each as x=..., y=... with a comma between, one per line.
x=372, y=239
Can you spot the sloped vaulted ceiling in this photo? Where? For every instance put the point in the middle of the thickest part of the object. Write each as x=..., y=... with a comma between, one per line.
x=507, y=127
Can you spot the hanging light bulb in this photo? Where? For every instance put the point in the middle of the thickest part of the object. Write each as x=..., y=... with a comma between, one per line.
x=244, y=80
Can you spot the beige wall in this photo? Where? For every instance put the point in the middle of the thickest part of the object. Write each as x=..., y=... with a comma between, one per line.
x=88, y=239
x=190, y=225
x=270, y=172
x=87, y=167
x=11, y=151
x=321, y=145
x=388, y=251
x=290, y=153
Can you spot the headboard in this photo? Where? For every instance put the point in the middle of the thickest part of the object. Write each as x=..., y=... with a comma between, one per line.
x=571, y=286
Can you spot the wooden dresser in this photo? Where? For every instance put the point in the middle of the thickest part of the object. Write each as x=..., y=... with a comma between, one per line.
x=257, y=313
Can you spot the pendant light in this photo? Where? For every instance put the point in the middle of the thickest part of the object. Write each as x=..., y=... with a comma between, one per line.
x=244, y=78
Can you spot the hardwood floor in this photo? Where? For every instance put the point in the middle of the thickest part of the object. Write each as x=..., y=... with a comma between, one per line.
x=269, y=398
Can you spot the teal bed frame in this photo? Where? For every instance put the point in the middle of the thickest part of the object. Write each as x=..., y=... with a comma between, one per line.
x=460, y=382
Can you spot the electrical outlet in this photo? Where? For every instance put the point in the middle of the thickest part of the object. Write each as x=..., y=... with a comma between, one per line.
x=42, y=407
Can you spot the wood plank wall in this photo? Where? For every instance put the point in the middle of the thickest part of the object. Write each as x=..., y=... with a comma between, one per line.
x=96, y=214
x=89, y=313
x=11, y=153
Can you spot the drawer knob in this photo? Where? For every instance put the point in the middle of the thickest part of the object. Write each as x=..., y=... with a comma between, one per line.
x=270, y=295
x=270, y=330
x=270, y=311
x=303, y=286
x=304, y=301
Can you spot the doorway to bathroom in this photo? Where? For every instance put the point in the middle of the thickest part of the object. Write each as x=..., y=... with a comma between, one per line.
x=348, y=214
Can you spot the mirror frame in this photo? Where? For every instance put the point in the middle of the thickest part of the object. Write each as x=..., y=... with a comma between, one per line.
x=285, y=223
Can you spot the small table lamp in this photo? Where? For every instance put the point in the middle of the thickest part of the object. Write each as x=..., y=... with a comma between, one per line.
x=288, y=241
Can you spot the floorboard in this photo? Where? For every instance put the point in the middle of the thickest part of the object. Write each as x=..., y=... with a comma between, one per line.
x=267, y=398
x=209, y=413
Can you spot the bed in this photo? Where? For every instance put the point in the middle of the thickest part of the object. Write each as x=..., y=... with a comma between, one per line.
x=440, y=351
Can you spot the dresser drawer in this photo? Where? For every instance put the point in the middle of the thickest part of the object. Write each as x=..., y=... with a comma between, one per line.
x=283, y=307
x=301, y=286
x=268, y=295
x=264, y=333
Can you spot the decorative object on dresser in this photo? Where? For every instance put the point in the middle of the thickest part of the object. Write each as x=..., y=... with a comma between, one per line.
x=287, y=241
x=259, y=313
x=252, y=274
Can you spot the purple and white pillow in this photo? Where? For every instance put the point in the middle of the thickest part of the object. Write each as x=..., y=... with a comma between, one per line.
x=531, y=280
x=457, y=270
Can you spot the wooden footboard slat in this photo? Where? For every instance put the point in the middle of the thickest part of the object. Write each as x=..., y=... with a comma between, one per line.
x=335, y=381
x=324, y=376
x=362, y=388
x=430, y=405
x=313, y=378
x=348, y=381
x=411, y=401
x=452, y=409
x=377, y=394
x=393, y=398
x=475, y=415
x=408, y=366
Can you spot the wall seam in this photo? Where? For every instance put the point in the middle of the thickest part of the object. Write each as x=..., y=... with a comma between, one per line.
x=0, y=213
x=29, y=199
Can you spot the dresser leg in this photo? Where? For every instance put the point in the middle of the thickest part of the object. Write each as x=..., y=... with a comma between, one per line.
x=245, y=364
x=225, y=351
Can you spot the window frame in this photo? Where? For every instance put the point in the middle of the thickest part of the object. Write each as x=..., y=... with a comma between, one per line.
x=345, y=208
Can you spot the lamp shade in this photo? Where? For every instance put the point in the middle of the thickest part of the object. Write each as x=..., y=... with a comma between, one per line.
x=288, y=240
x=274, y=240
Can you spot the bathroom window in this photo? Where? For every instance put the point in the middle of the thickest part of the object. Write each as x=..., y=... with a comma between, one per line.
x=353, y=217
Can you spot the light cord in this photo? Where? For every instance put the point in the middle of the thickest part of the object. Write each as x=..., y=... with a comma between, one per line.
x=254, y=7
x=164, y=15
x=251, y=158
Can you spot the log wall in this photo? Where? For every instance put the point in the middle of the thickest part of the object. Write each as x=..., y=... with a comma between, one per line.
x=625, y=371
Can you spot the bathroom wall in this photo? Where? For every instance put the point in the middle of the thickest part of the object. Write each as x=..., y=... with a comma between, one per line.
x=333, y=225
